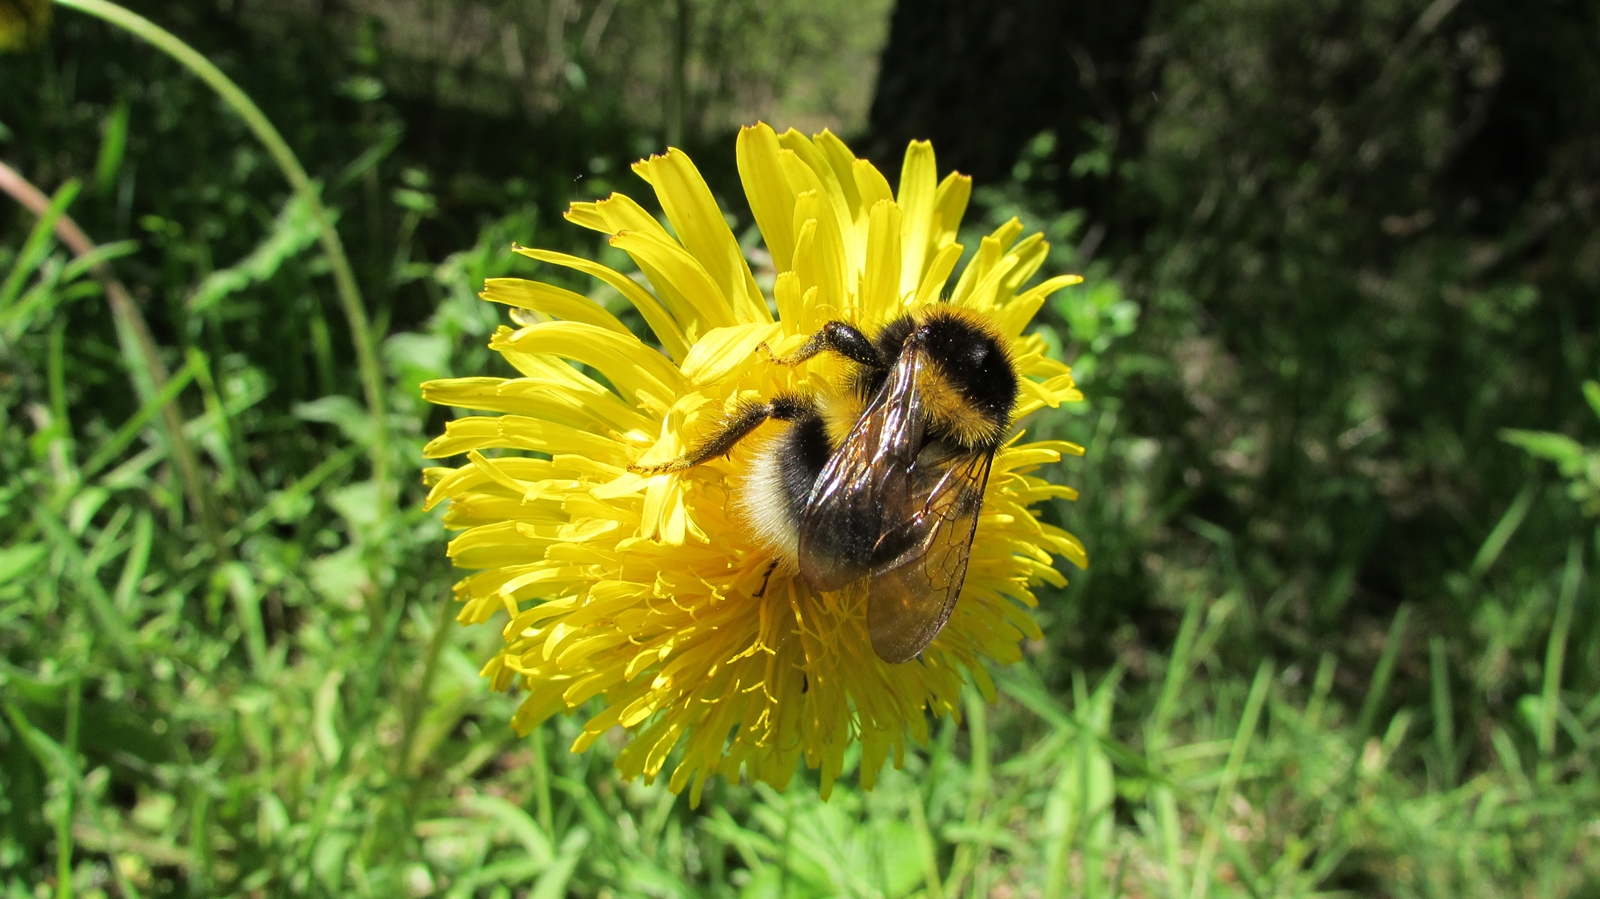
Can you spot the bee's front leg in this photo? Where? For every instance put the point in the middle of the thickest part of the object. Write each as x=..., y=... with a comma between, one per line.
x=746, y=417
x=837, y=337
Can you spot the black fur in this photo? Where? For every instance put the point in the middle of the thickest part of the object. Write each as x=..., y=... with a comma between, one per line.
x=803, y=453
x=975, y=364
x=970, y=358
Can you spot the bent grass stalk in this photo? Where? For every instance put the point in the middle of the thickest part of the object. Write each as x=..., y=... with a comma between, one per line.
x=141, y=345
x=343, y=277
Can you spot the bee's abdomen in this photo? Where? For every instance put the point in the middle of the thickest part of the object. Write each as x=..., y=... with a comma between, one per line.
x=772, y=496
x=803, y=451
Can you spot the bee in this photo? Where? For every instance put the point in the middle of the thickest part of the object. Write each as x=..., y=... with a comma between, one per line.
x=889, y=490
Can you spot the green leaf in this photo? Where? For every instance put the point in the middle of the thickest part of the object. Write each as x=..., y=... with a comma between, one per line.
x=1503, y=530
x=553, y=883
x=37, y=245
x=16, y=561
x=518, y=823
x=295, y=229
x=416, y=358
x=343, y=413
x=1591, y=392
x=113, y=147
x=1558, y=448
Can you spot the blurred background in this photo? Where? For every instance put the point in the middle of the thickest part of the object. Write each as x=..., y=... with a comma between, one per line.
x=1339, y=635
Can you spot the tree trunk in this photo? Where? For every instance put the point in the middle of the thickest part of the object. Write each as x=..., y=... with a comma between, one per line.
x=981, y=79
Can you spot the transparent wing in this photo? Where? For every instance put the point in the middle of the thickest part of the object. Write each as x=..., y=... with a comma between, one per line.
x=922, y=558
x=866, y=478
x=887, y=508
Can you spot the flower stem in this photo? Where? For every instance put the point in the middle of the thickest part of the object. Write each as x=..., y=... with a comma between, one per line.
x=343, y=277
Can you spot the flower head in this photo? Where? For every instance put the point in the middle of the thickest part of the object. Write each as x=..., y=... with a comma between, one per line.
x=651, y=594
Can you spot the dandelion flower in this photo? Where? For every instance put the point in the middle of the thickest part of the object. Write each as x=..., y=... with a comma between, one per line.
x=651, y=595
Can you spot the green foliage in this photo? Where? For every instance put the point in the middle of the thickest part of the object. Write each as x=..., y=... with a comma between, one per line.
x=1578, y=464
x=1336, y=637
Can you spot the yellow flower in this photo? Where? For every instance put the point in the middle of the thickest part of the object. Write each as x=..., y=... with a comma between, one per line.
x=650, y=594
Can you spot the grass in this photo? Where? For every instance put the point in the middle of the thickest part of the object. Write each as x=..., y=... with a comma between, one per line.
x=228, y=672
x=301, y=716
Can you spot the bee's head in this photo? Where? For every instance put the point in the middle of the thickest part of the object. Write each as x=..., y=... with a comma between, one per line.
x=977, y=383
x=973, y=358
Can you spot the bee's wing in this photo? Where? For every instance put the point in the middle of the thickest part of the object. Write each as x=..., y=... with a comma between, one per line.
x=867, y=478
x=887, y=508
x=922, y=559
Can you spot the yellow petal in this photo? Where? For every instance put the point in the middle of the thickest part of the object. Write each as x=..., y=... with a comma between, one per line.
x=880, y=283
x=982, y=295
x=918, y=193
x=630, y=365
x=679, y=279
x=990, y=251
x=666, y=329
x=551, y=300
x=468, y=478
x=938, y=274
x=698, y=220
x=949, y=205
x=870, y=182
x=617, y=212
x=819, y=176
x=716, y=355
x=842, y=163
x=517, y=432
x=1017, y=313
x=792, y=303
x=586, y=215
x=1030, y=253
x=1067, y=545
x=1008, y=232
x=767, y=190
x=820, y=255
x=538, y=398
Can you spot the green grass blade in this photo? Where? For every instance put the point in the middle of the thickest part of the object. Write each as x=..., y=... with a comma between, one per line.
x=1555, y=657
x=1165, y=807
x=113, y=147
x=1443, y=712
x=112, y=625
x=57, y=762
x=967, y=853
x=129, y=431
x=1382, y=673
x=1230, y=778
x=927, y=848
x=1177, y=673
x=1321, y=686
x=552, y=884
x=35, y=247
x=1504, y=529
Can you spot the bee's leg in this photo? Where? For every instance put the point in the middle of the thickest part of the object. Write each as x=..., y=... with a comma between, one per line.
x=748, y=416
x=766, y=579
x=837, y=337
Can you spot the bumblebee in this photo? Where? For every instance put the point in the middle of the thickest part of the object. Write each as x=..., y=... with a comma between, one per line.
x=890, y=490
